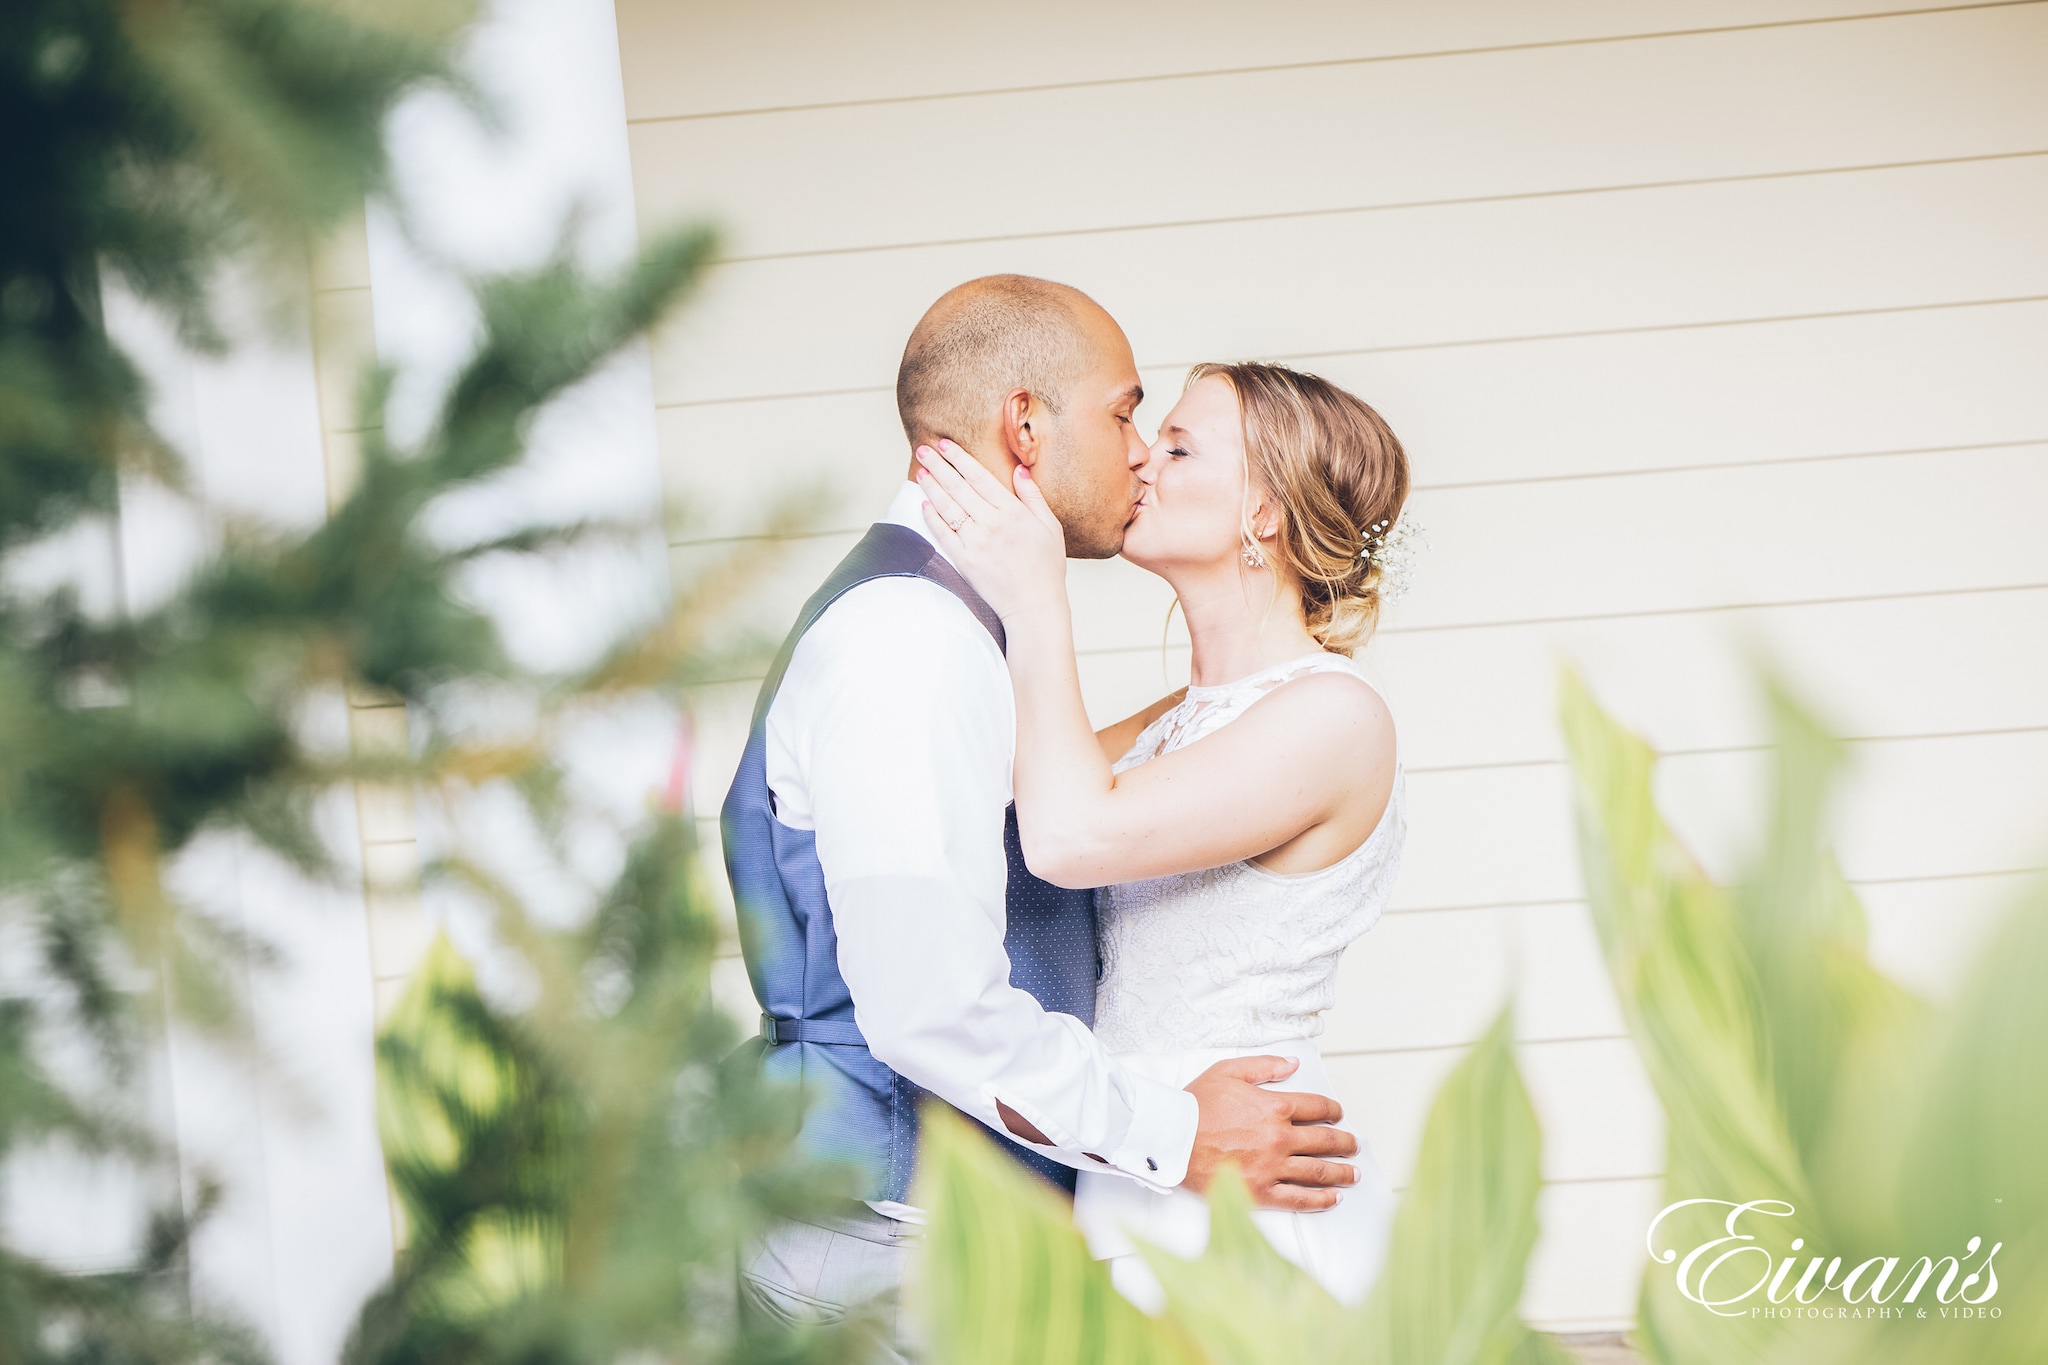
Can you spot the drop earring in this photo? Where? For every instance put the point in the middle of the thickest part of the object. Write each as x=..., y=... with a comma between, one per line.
x=1254, y=558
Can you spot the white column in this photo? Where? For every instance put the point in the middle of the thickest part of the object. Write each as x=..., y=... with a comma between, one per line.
x=286, y=1121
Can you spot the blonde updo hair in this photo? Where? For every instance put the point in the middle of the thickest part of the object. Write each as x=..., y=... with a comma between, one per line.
x=1337, y=472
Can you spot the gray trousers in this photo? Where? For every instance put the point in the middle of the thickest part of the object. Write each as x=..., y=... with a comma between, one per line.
x=831, y=1268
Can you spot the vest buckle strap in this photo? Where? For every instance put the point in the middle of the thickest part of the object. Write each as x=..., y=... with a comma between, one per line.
x=831, y=1032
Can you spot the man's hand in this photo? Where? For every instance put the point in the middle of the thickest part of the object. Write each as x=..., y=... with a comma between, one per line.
x=1278, y=1139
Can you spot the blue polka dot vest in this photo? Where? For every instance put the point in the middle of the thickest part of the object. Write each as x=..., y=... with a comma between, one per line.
x=862, y=1111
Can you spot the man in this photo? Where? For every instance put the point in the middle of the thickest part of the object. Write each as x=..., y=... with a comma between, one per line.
x=897, y=943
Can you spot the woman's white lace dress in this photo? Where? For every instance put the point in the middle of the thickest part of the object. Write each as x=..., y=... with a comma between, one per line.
x=1235, y=961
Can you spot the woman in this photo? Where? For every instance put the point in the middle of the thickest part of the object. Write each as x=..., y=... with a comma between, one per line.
x=1243, y=831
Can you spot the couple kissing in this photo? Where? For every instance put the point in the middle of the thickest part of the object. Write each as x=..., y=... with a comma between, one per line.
x=1112, y=948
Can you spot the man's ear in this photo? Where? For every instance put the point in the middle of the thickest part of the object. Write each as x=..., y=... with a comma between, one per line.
x=1021, y=419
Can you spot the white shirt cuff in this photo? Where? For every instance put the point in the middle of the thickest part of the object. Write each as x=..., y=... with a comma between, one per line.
x=1161, y=1138
x=1154, y=1150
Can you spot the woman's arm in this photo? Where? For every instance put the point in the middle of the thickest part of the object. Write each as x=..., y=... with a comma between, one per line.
x=1116, y=740
x=1317, y=751
x=1316, y=747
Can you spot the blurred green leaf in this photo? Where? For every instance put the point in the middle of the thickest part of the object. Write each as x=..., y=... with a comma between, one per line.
x=1465, y=1227
x=1971, y=1122
x=1791, y=1069
x=1004, y=1278
x=1243, y=1301
x=578, y=1174
x=471, y=1126
x=1688, y=989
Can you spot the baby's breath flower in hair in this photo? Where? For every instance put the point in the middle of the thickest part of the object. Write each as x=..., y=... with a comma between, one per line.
x=1393, y=548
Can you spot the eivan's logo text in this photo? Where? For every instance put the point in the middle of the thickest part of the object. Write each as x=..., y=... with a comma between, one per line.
x=1716, y=1274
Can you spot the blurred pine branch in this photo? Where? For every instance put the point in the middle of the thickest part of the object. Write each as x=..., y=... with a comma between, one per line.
x=576, y=1173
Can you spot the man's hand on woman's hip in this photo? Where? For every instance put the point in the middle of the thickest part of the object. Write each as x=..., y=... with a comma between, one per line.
x=1280, y=1141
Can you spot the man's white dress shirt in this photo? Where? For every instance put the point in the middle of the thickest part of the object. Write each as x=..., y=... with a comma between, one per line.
x=892, y=737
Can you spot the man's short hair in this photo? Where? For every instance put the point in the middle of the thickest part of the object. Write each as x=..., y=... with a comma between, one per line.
x=980, y=342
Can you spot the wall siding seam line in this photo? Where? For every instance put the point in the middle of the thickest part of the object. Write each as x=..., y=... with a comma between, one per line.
x=1981, y=875
x=1331, y=63
x=1544, y=1182
x=1718, y=607
x=1563, y=902
x=1112, y=651
x=1710, y=750
x=1831, y=457
x=1394, y=206
x=1989, y=590
x=1710, y=324
x=1553, y=902
x=756, y=537
x=1473, y=1042
x=1516, y=339
x=857, y=391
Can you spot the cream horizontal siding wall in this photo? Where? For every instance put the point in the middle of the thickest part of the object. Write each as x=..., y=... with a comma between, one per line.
x=1715, y=331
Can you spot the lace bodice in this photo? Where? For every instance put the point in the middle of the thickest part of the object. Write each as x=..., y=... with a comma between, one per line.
x=1235, y=956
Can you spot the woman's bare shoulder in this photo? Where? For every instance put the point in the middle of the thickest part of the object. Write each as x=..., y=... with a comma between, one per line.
x=1326, y=710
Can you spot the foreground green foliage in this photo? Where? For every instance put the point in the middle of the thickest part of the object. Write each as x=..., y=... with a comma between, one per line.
x=157, y=143
x=1791, y=1070
x=1008, y=1281
x=1006, y=1276
x=1465, y=1228
x=154, y=146
x=575, y=1178
x=576, y=1173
